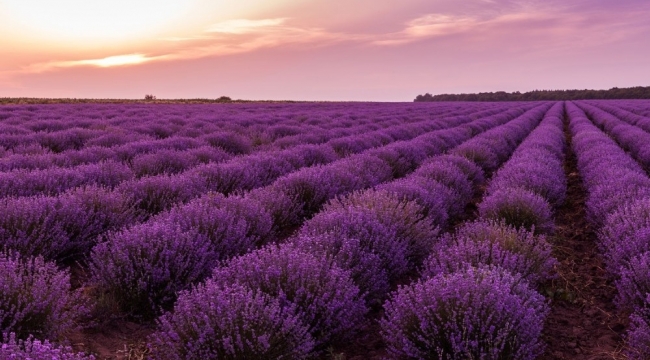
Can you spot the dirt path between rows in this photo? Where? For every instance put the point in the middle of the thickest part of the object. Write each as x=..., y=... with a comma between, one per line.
x=584, y=322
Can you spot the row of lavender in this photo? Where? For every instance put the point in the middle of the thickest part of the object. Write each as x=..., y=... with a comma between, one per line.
x=376, y=235
x=246, y=222
x=635, y=106
x=110, y=166
x=67, y=226
x=187, y=161
x=58, y=315
x=63, y=129
x=476, y=297
x=618, y=204
x=118, y=144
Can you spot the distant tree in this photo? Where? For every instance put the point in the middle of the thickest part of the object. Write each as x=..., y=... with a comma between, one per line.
x=224, y=99
x=149, y=97
x=638, y=92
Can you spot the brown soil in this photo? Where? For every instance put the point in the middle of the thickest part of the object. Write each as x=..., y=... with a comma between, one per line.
x=118, y=339
x=367, y=345
x=584, y=322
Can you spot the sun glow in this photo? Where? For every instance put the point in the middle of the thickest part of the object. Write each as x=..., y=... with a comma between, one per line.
x=95, y=20
x=118, y=60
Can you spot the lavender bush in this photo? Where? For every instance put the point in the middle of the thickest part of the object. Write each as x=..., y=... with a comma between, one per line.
x=312, y=187
x=625, y=233
x=375, y=236
x=32, y=349
x=154, y=194
x=402, y=158
x=36, y=298
x=234, y=225
x=229, y=141
x=63, y=228
x=37, y=226
x=102, y=210
x=435, y=198
x=175, y=161
x=285, y=209
x=56, y=180
x=638, y=336
x=480, y=154
x=519, y=208
x=450, y=176
x=325, y=297
x=407, y=218
x=628, y=187
x=231, y=322
x=536, y=171
x=634, y=282
x=492, y=243
x=472, y=171
x=366, y=267
x=491, y=148
x=143, y=267
x=483, y=313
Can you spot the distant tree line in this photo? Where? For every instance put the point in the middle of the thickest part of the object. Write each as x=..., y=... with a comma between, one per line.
x=638, y=92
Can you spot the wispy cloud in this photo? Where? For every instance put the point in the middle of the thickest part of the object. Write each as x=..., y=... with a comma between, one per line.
x=254, y=38
x=430, y=25
x=106, y=62
x=224, y=38
x=244, y=26
x=552, y=21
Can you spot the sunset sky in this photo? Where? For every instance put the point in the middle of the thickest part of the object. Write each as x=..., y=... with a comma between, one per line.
x=378, y=50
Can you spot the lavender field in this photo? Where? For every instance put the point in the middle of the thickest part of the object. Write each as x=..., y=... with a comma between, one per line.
x=503, y=230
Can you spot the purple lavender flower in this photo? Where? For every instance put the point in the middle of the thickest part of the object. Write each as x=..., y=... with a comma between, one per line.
x=407, y=218
x=65, y=227
x=154, y=194
x=143, y=267
x=483, y=313
x=480, y=154
x=375, y=236
x=450, y=176
x=625, y=233
x=32, y=349
x=472, y=171
x=491, y=243
x=234, y=225
x=325, y=297
x=230, y=322
x=634, y=283
x=638, y=336
x=284, y=208
x=519, y=208
x=53, y=181
x=229, y=141
x=355, y=255
x=36, y=298
x=535, y=170
x=436, y=199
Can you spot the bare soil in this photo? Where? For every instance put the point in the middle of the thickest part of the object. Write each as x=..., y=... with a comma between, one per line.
x=584, y=322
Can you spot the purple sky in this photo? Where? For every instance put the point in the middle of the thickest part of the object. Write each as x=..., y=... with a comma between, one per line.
x=376, y=50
